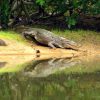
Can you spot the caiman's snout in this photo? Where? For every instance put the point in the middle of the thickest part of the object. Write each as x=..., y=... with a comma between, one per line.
x=28, y=34
x=31, y=33
x=24, y=34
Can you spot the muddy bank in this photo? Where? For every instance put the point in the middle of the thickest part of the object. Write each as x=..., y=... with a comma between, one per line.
x=17, y=48
x=15, y=54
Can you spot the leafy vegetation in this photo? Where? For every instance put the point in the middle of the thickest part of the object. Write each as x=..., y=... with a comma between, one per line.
x=29, y=11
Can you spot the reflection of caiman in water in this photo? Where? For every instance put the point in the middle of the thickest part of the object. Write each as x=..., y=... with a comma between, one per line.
x=50, y=66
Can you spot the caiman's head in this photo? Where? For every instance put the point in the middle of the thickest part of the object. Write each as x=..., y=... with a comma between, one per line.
x=31, y=33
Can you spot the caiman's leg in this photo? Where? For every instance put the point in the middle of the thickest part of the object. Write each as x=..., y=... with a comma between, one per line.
x=51, y=44
x=54, y=45
x=58, y=45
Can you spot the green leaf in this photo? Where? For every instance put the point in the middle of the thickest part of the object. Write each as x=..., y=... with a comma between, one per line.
x=40, y=2
x=71, y=21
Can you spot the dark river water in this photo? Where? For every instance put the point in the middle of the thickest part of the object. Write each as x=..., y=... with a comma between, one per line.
x=50, y=79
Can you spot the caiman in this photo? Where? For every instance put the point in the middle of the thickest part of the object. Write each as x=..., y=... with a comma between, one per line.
x=47, y=38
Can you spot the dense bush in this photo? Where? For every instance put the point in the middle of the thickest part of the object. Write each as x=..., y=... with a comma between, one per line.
x=37, y=9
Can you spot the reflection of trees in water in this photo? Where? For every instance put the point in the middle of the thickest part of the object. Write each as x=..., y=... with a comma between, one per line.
x=11, y=88
x=46, y=67
x=55, y=87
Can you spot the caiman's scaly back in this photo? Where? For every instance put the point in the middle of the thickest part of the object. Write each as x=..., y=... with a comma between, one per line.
x=47, y=38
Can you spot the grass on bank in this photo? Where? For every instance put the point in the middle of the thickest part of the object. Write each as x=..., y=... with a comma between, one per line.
x=11, y=35
x=76, y=35
x=80, y=35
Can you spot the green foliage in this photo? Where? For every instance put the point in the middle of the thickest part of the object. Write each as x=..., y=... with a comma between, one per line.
x=4, y=16
x=67, y=8
x=71, y=20
x=95, y=8
x=40, y=2
x=82, y=6
x=58, y=5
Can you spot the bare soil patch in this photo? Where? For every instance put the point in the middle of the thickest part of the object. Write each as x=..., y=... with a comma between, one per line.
x=17, y=48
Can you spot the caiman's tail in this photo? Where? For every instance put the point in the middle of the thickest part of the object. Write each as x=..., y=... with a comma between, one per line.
x=77, y=47
x=70, y=42
x=73, y=45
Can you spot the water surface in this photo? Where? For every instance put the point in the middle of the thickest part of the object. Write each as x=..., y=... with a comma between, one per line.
x=24, y=78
